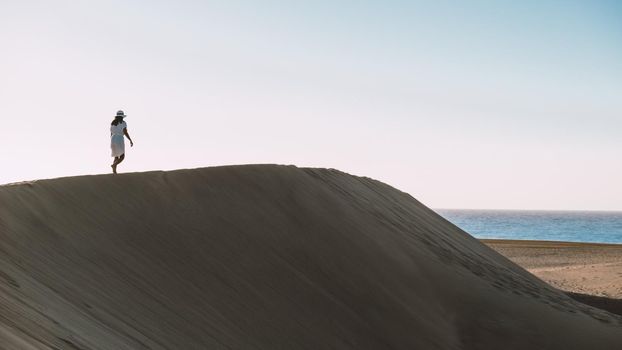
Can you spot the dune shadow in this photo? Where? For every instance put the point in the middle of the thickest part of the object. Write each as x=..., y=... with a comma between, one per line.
x=608, y=304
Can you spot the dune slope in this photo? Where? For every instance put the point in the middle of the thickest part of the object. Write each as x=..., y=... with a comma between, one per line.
x=263, y=257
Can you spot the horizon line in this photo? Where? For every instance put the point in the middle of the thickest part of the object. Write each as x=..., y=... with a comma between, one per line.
x=539, y=209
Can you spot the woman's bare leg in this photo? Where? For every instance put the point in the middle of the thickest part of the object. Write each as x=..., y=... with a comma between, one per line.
x=117, y=161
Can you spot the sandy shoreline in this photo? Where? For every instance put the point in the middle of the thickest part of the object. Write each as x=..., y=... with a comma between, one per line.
x=586, y=268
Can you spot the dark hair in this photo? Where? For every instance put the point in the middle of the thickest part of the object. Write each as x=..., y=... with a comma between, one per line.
x=117, y=120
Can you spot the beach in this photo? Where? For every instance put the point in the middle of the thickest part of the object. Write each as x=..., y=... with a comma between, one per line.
x=589, y=272
x=587, y=268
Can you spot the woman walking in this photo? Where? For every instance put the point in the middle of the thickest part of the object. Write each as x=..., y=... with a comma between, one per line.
x=118, y=128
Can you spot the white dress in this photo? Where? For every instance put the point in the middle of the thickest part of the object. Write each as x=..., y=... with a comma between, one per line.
x=117, y=142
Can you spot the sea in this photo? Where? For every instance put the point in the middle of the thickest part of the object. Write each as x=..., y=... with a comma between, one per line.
x=569, y=226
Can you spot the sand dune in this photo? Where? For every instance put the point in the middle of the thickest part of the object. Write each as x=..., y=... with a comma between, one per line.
x=263, y=257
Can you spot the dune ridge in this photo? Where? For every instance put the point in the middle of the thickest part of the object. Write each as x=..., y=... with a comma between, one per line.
x=263, y=257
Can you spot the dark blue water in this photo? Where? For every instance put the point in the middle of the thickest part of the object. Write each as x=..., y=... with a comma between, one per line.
x=571, y=226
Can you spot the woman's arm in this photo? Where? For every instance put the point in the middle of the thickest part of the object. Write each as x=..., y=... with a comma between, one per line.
x=128, y=137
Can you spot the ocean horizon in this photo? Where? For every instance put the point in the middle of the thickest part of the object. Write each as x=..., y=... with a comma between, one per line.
x=543, y=225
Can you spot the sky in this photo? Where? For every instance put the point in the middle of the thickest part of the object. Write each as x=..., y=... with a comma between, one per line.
x=462, y=104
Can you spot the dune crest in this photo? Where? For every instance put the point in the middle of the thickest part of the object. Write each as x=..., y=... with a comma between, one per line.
x=263, y=257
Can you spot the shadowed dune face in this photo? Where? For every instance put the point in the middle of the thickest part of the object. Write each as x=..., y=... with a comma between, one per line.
x=263, y=257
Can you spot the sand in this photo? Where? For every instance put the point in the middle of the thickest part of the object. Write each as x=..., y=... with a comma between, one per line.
x=588, y=272
x=263, y=257
x=586, y=268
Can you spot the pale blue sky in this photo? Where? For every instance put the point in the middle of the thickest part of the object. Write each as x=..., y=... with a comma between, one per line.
x=463, y=104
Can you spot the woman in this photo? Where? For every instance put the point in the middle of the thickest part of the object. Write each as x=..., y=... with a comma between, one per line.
x=118, y=128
